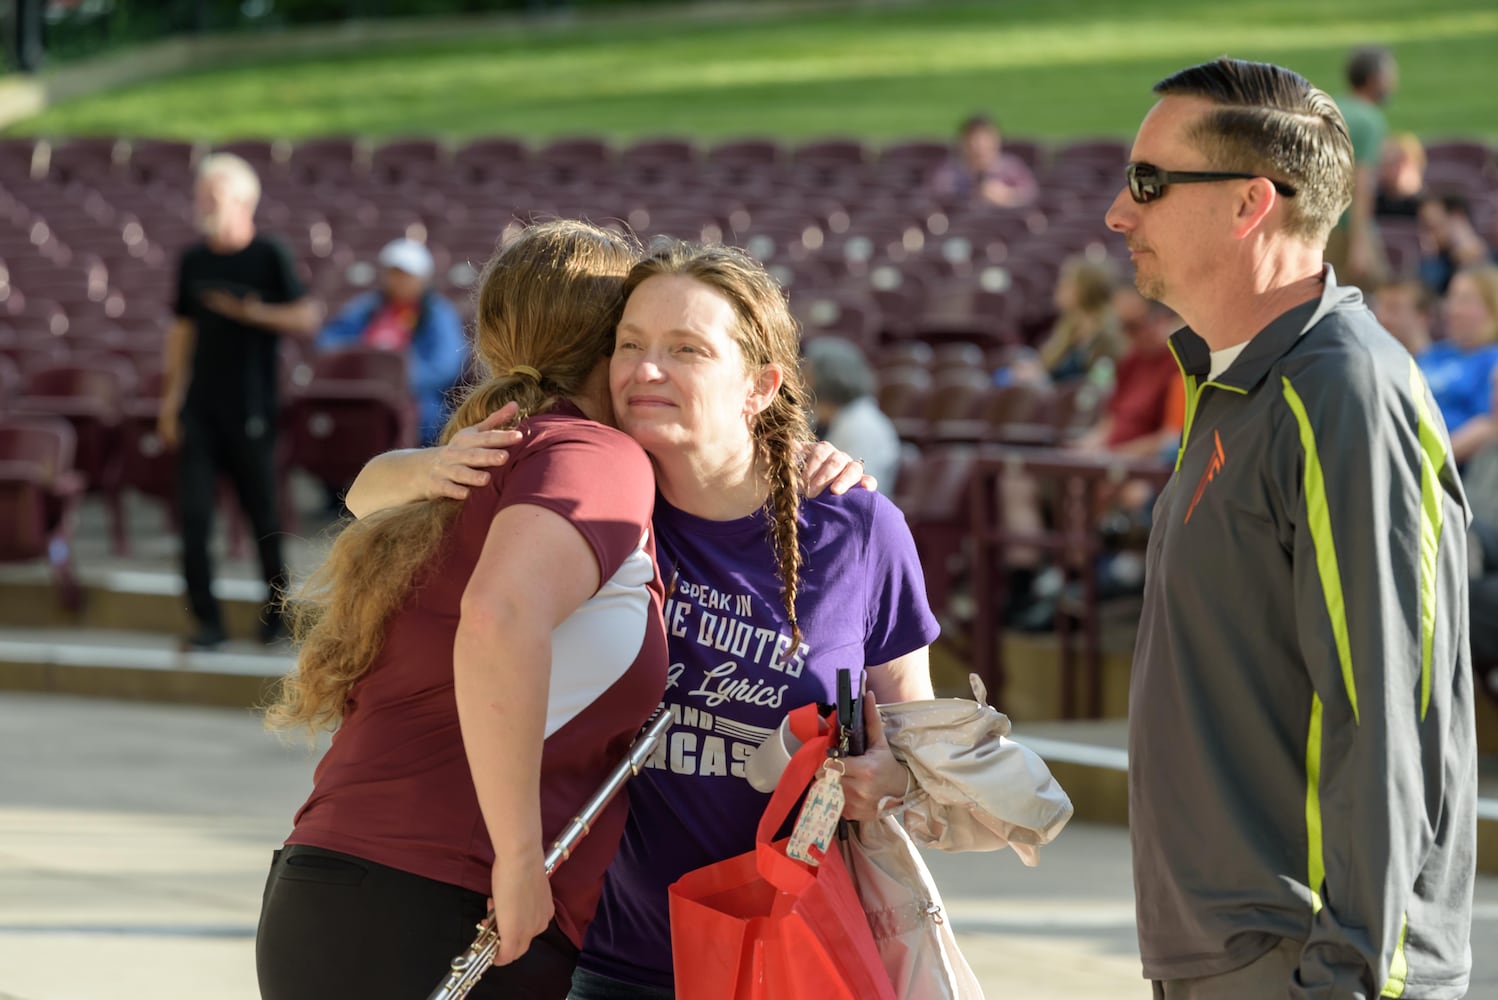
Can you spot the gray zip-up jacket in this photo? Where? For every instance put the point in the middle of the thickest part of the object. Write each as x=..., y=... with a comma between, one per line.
x=1302, y=750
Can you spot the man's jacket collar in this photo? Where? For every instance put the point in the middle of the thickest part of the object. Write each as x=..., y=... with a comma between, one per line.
x=1269, y=344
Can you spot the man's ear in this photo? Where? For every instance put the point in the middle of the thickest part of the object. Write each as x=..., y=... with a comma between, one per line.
x=766, y=384
x=1259, y=199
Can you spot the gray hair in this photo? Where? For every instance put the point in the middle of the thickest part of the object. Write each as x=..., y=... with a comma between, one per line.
x=235, y=171
x=838, y=370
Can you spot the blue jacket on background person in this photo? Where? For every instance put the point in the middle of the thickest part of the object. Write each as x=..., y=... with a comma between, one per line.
x=404, y=314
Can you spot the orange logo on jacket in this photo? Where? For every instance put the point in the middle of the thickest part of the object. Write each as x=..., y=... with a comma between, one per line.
x=1219, y=459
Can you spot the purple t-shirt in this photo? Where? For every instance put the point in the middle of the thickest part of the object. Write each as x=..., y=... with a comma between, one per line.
x=733, y=678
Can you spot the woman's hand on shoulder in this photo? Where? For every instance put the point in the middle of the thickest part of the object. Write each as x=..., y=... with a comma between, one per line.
x=825, y=467
x=463, y=463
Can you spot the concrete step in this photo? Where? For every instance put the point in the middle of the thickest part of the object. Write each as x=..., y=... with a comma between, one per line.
x=122, y=600
x=142, y=590
x=139, y=666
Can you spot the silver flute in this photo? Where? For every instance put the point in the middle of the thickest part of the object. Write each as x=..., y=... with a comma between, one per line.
x=468, y=967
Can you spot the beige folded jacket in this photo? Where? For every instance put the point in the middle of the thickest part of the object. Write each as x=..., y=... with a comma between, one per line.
x=974, y=789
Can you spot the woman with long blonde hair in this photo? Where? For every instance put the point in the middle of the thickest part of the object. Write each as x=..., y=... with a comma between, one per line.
x=484, y=664
x=1086, y=330
x=769, y=591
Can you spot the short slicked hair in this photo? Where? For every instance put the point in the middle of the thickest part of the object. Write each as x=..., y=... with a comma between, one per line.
x=1270, y=121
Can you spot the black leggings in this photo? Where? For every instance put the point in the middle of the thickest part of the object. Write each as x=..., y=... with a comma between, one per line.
x=333, y=925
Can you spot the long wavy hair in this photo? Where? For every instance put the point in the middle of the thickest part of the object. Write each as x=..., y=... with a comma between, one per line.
x=1088, y=319
x=548, y=301
x=767, y=334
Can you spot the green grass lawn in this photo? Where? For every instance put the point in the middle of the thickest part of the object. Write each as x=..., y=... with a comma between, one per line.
x=1043, y=67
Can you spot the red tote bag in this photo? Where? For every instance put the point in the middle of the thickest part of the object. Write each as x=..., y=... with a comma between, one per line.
x=764, y=926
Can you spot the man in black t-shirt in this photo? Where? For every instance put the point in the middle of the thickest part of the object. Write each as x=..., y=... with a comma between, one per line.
x=237, y=294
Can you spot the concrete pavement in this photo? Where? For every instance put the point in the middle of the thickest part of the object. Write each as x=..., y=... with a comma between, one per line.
x=134, y=840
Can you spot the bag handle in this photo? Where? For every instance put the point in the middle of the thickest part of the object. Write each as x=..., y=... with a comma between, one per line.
x=785, y=873
x=816, y=739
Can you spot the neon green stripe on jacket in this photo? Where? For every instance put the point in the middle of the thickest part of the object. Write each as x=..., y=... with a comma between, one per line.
x=1316, y=867
x=1326, y=550
x=1399, y=969
x=1432, y=459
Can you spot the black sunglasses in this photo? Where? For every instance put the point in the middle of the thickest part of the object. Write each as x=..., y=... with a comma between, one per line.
x=1148, y=182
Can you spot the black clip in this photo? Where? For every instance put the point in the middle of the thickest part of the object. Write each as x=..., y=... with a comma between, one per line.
x=850, y=735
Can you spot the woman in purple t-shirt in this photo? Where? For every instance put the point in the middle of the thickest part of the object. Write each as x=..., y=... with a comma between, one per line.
x=768, y=593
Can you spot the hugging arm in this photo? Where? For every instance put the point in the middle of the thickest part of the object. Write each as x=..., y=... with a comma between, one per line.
x=451, y=470
x=501, y=680
x=448, y=470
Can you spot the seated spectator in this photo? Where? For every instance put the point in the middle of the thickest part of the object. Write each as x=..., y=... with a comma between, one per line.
x=1448, y=240
x=1458, y=369
x=1144, y=414
x=1141, y=419
x=979, y=171
x=1086, y=333
x=847, y=413
x=405, y=314
x=1401, y=176
x=1403, y=308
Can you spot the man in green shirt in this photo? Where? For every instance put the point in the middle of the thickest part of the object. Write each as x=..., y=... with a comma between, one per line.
x=1355, y=249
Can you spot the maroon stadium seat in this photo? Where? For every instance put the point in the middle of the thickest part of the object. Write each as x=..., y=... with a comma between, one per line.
x=90, y=394
x=39, y=493
x=356, y=404
x=937, y=511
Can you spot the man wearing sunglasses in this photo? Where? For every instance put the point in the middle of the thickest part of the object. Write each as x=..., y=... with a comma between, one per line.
x=1301, y=735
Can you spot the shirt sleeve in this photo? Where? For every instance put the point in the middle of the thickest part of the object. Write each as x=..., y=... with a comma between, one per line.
x=899, y=617
x=290, y=283
x=1379, y=566
x=1479, y=402
x=348, y=324
x=595, y=477
x=183, y=305
x=1017, y=174
x=438, y=349
x=944, y=179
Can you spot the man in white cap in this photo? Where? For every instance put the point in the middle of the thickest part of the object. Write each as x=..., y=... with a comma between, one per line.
x=405, y=314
